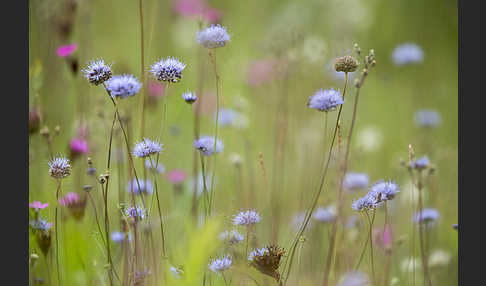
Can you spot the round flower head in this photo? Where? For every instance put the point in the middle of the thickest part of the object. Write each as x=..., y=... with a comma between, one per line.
x=212, y=37
x=69, y=200
x=59, y=167
x=324, y=214
x=176, y=176
x=136, y=213
x=368, y=202
x=169, y=70
x=257, y=252
x=355, y=279
x=384, y=191
x=119, y=237
x=407, y=53
x=40, y=224
x=230, y=117
x=427, y=216
x=160, y=168
x=420, y=163
x=79, y=146
x=146, y=147
x=122, y=86
x=427, y=118
x=97, y=72
x=219, y=265
x=231, y=237
x=248, y=217
x=145, y=186
x=325, y=100
x=189, y=97
x=205, y=144
x=345, y=64
x=355, y=181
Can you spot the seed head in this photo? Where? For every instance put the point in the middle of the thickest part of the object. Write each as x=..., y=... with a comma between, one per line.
x=267, y=260
x=346, y=64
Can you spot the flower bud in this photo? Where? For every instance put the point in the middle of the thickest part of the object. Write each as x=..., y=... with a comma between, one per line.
x=346, y=64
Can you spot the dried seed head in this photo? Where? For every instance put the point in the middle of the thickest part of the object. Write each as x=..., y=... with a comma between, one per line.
x=267, y=260
x=346, y=64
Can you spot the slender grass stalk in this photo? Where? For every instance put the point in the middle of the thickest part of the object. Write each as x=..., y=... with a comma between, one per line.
x=57, y=233
x=107, y=233
x=421, y=232
x=224, y=278
x=96, y=218
x=205, y=188
x=158, y=206
x=142, y=66
x=212, y=56
x=371, y=221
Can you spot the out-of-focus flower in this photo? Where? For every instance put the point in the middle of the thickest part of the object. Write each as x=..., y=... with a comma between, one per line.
x=355, y=181
x=219, y=265
x=123, y=86
x=231, y=237
x=66, y=50
x=354, y=278
x=40, y=224
x=205, y=144
x=370, y=138
x=155, y=90
x=145, y=187
x=36, y=205
x=136, y=213
x=212, y=37
x=75, y=204
x=160, y=168
x=439, y=257
x=420, y=163
x=325, y=100
x=408, y=264
x=119, y=237
x=78, y=146
x=427, y=118
x=246, y=218
x=324, y=214
x=176, y=176
x=197, y=8
x=407, y=53
x=428, y=217
x=382, y=237
x=230, y=117
x=189, y=97
x=177, y=271
x=261, y=71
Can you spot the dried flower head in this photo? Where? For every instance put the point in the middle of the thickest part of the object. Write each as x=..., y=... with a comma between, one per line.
x=346, y=64
x=122, y=86
x=325, y=100
x=59, y=167
x=355, y=181
x=189, y=97
x=212, y=37
x=267, y=260
x=232, y=237
x=219, y=265
x=169, y=70
x=246, y=218
x=146, y=147
x=205, y=144
x=97, y=72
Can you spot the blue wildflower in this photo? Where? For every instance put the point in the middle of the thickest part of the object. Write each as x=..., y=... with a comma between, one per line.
x=145, y=186
x=205, y=144
x=427, y=216
x=59, y=167
x=212, y=37
x=420, y=163
x=137, y=213
x=384, y=191
x=122, y=86
x=407, y=53
x=248, y=217
x=354, y=278
x=189, y=97
x=40, y=224
x=219, y=265
x=169, y=70
x=257, y=252
x=365, y=203
x=427, y=118
x=146, y=147
x=325, y=100
x=355, y=181
x=231, y=237
x=97, y=72
x=119, y=237
x=324, y=214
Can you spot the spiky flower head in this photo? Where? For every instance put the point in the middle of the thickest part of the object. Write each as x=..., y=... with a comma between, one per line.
x=420, y=163
x=354, y=278
x=219, y=265
x=232, y=237
x=246, y=218
x=59, y=167
x=205, y=144
x=427, y=118
x=214, y=36
x=145, y=187
x=345, y=64
x=189, y=97
x=324, y=214
x=97, y=72
x=267, y=260
x=137, y=213
x=365, y=203
x=122, y=86
x=428, y=216
x=355, y=181
x=325, y=100
x=169, y=70
x=40, y=224
x=146, y=147
x=384, y=190
x=407, y=53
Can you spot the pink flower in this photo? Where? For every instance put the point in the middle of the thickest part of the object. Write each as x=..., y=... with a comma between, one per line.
x=176, y=176
x=155, y=89
x=66, y=50
x=69, y=200
x=196, y=8
x=382, y=237
x=36, y=205
x=79, y=146
x=261, y=71
x=212, y=15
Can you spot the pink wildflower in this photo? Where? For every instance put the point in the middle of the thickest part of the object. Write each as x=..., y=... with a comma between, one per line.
x=66, y=50
x=36, y=205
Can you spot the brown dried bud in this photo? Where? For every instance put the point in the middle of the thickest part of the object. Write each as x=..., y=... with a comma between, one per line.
x=34, y=120
x=45, y=131
x=57, y=129
x=346, y=64
x=269, y=262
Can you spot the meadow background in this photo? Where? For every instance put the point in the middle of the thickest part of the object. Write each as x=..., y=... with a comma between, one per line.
x=302, y=38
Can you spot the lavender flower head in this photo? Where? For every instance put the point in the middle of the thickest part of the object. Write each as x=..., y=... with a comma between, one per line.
x=205, y=144
x=169, y=70
x=160, y=168
x=212, y=37
x=97, y=72
x=189, y=97
x=257, y=252
x=137, y=213
x=146, y=147
x=355, y=181
x=122, y=86
x=383, y=190
x=40, y=224
x=407, y=53
x=325, y=100
x=59, y=167
x=427, y=216
x=355, y=279
x=248, y=217
x=145, y=186
x=119, y=237
x=219, y=265
x=324, y=214
x=427, y=118
x=365, y=203
x=420, y=163
x=231, y=237
x=230, y=117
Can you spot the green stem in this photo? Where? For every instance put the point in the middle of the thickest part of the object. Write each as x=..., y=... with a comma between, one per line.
x=158, y=206
x=57, y=233
x=211, y=197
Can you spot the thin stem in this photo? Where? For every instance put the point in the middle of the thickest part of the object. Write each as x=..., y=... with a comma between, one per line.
x=158, y=206
x=218, y=82
x=142, y=65
x=421, y=232
x=205, y=189
x=371, y=245
x=362, y=253
x=224, y=278
x=57, y=233
x=96, y=218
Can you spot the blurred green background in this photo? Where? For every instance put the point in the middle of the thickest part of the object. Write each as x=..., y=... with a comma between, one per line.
x=303, y=35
